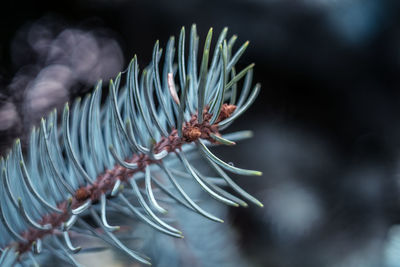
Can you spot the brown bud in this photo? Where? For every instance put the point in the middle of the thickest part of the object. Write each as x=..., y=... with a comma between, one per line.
x=192, y=133
x=82, y=194
x=226, y=111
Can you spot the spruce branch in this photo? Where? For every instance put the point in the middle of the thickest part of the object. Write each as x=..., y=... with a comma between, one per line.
x=111, y=157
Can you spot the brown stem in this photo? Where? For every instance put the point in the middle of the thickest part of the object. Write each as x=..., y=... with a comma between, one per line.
x=104, y=183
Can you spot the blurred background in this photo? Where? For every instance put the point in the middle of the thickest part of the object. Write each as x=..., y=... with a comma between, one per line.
x=326, y=124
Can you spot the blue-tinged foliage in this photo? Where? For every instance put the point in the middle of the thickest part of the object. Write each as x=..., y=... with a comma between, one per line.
x=139, y=111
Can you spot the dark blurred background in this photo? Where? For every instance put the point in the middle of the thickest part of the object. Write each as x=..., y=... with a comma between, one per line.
x=326, y=123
